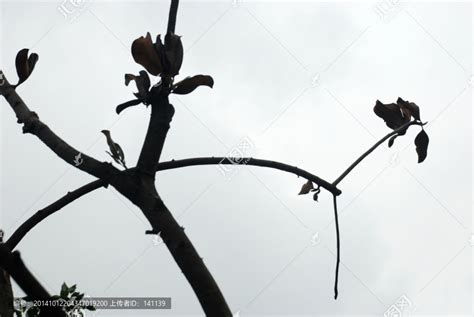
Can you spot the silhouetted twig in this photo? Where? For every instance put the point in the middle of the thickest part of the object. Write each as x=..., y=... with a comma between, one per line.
x=40, y=215
x=382, y=140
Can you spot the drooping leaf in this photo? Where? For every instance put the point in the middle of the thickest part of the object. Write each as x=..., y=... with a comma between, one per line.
x=391, y=113
x=421, y=142
x=409, y=107
x=25, y=65
x=127, y=104
x=188, y=84
x=174, y=53
x=391, y=140
x=145, y=54
x=306, y=188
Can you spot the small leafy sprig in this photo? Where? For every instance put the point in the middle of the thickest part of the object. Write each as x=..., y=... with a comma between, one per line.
x=69, y=298
x=163, y=60
x=398, y=114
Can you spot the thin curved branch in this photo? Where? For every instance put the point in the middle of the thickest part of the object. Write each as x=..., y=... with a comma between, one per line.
x=32, y=124
x=382, y=140
x=249, y=161
x=40, y=215
x=12, y=263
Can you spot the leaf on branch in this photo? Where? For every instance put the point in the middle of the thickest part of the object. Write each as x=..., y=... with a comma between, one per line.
x=145, y=54
x=188, y=84
x=64, y=291
x=391, y=140
x=410, y=108
x=173, y=53
x=306, y=188
x=421, y=142
x=392, y=114
x=143, y=84
x=25, y=65
x=127, y=104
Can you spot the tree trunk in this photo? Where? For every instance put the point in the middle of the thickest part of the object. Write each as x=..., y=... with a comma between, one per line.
x=6, y=295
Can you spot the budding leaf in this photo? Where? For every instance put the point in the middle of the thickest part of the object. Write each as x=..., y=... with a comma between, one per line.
x=421, y=142
x=25, y=65
x=391, y=140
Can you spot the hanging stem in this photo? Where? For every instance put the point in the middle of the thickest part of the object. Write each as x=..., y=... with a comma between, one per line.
x=338, y=243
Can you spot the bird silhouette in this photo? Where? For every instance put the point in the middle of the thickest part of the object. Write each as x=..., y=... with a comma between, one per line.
x=115, y=150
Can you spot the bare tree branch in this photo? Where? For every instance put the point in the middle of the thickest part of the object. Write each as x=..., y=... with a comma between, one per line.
x=40, y=215
x=13, y=264
x=249, y=161
x=32, y=124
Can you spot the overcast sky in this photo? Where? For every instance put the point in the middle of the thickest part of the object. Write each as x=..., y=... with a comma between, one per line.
x=296, y=81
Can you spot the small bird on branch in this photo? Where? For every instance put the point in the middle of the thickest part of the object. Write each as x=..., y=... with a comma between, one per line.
x=115, y=150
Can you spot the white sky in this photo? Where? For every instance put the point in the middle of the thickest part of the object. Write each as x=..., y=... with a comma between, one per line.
x=299, y=80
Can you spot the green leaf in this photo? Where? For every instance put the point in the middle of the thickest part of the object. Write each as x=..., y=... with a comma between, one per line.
x=188, y=84
x=421, y=142
x=64, y=291
x=25, y=65
x=72, y=289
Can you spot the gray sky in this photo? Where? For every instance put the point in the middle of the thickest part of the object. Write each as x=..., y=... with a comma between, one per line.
x=296, y=80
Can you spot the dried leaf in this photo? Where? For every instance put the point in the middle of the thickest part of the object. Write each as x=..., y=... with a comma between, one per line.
x=188, y=84
x=25, y=65
x=410, y=107
x=393, y=116
x=391, y=140
x=421, y=142
x=127, y=104
x=306, y=188
x=145, y=54
x=174, y=53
